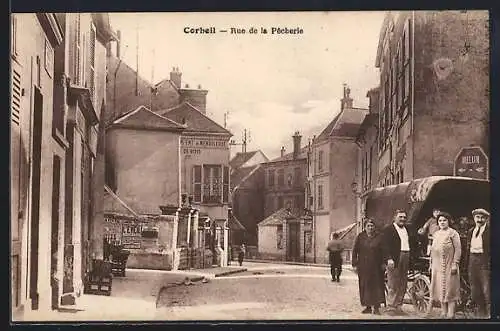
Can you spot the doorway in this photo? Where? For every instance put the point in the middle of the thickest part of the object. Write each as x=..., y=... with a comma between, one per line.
x=293, y=241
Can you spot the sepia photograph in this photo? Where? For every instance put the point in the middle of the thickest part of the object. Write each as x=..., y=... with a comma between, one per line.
x=244, y=166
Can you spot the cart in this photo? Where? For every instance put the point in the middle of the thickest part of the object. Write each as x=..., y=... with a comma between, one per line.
x=117, y=256
x=456, y=195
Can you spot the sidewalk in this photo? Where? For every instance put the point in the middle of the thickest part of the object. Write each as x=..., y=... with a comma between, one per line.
x=132, y=297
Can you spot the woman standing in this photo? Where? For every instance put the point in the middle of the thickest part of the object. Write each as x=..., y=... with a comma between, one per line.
x=445, y=260
x=367, y=259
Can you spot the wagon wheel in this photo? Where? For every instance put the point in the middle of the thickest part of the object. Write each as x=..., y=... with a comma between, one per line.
x=420, y=294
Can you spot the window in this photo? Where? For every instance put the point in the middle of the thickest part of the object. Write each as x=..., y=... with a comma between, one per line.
x=298, y=177
x=270, y=176
x=281, y=177
x=16, y=96
x=13, y=35
x=320, y=161
x=298, y=202
x=210, y=183
x=280, y=202
x=77, y=64
x=269, y=205
x=320, y=196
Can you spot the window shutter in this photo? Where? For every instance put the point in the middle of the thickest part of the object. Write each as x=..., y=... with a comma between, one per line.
x=197, y=183
x=92, y=62
x=406, y=38
x=225, y=188
x=16, y=96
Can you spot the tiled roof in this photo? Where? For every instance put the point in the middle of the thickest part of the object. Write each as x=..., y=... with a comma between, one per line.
x=345, y=124
x=277, y=217
x=125, y=89
x=143, y=118
x=240, y=158
x=195, y=120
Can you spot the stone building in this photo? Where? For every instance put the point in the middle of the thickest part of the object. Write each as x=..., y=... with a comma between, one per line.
x=188, y=169
x=58, y=83
x=433, y=98
x=284, y=185
x=332, y=161
x=247, y=199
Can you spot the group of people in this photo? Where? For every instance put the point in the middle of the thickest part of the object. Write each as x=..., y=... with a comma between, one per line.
x=377, y=254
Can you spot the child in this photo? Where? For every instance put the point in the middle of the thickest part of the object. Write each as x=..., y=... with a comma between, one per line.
x=430, y=227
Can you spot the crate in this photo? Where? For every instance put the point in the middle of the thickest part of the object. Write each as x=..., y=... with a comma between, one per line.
x=100, y=280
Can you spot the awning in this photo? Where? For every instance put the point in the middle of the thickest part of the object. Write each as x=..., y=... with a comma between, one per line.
x=345, y=230
x=235, y=225
x=120, y=201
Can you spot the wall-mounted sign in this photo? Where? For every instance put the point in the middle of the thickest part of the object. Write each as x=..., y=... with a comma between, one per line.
x=203, y=143
x=471, y=162
x=190, y=151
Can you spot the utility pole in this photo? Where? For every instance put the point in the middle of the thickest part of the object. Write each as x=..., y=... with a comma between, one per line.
x=226, y=115
x=137, y=59
x=153, y=87
x=245, y=139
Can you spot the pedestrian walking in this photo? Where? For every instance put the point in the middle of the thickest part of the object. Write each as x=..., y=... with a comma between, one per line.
x=444, y=266
x=478, y=251
x=335, y=248
x=241, y=254
x=368, y=262
x=397, y=248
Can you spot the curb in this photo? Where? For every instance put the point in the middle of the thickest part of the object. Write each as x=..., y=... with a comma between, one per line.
x=230, y=272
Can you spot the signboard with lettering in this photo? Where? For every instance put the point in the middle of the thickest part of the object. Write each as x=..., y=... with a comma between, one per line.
x=196, y=143
x=471, y=162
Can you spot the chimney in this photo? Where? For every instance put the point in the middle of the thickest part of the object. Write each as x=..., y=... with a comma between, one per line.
x=346, y=101
x=176, y=77
x=196, y=97
x=282, y=151
x=296, y=144
x=373, y=96
x=118, y=43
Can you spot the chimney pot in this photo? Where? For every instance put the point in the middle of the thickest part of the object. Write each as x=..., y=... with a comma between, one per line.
x=199, y=86
x=176, y=77
x=187, y=85
x=282, y=151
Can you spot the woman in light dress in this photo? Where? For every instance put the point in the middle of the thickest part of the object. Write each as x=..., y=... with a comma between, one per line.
x=444, y=266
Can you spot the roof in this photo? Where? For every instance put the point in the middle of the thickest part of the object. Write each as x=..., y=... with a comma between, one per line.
x=289, y=156
x=143, y=118
x=239, y=175
x=278, y=217
x=419, y=196
x=345, y=124
x=113, y=203
x=125, y=87
x=367, y=122
x=235, y=224
x=241, y=158
x=195, y=120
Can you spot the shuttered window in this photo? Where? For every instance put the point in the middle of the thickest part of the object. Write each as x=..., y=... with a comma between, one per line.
x=225, y=184
x=13, y=35
x=78, y=64
x=92, y=42
x=16, y=97
x=197, y=183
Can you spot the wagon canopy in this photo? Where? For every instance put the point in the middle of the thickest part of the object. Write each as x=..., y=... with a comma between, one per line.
x=456, y=195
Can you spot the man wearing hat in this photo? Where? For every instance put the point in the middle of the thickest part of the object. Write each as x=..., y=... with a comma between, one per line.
x=478, y=252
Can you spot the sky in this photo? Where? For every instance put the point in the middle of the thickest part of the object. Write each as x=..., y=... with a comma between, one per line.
x=270, y=84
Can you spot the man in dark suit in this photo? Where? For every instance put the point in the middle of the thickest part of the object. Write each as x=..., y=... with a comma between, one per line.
x=397, y=255
x=478, y=261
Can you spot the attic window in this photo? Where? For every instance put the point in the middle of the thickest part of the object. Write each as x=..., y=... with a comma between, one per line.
x=183, y=120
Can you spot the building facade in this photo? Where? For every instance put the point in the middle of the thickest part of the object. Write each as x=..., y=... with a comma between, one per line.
x=284, y=185
x=247, y=188
x=58, y=85
x=433, y=94
x=332, y=162
x=37, y=163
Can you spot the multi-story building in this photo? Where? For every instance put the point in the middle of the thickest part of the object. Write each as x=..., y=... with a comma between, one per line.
x=192, y=162
x=58, y=82
x=284, y=185
x=247, y=199
x=433, y=94
x=332, y=162
x=36, y=162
